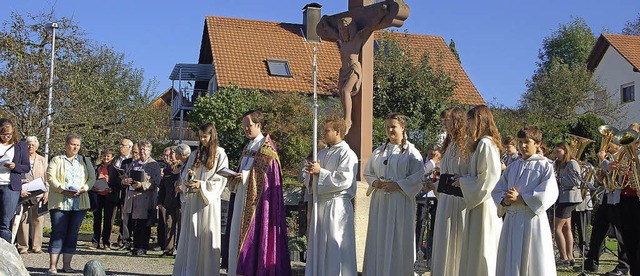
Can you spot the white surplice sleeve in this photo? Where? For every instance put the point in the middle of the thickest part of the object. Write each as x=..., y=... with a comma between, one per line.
x=477, y=189
x=369, y=170
x=544, y=194
x=213, y=184
x=501, y=187
x=331, y=181
x=412, y=183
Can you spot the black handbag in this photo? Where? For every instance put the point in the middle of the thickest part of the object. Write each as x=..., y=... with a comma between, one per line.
x=444, y=185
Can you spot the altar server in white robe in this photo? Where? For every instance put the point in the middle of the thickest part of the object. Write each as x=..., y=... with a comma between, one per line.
x=483, y=226
x=332, y=243
x=449, y=222
x=525, y=191
x=199, y=246
x=394, y=172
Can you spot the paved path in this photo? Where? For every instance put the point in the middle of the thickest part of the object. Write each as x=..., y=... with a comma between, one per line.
x=114, y=261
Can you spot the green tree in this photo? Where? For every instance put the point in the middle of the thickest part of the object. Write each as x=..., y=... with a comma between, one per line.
x=508, y=120
x=97, y=94
x=570, y=44
x=288, y=119
x=411, y=83
x=632, y=27
x=225, y=108
x=562, y=88
x=452, y=47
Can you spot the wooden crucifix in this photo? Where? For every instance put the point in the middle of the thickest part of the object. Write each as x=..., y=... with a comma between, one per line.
x=352, y=30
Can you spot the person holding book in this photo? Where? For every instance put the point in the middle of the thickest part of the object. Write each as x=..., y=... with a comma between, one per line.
x=143, y=181
x=525, y=191
x=450, y=214
x=70, y=176
x=199, y=247
x=106, y=192
x=257, y=230
x=32, y=223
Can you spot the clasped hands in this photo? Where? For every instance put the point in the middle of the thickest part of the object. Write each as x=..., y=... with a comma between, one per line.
x=511, y=196
x=386, y=185
x=130, y=182
x=72, y=193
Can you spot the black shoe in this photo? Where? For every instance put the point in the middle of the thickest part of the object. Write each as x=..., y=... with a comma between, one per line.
x=139, y=252
x=589, y=266
x=615, y=272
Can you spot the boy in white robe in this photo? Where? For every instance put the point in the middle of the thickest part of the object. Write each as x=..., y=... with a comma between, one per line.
x=525, y=191
x=332, y=243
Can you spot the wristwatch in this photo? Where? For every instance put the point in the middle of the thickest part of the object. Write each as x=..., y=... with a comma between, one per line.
x=504, y=204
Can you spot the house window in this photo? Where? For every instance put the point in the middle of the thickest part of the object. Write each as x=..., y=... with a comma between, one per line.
x=279, y=68
x=628, y=93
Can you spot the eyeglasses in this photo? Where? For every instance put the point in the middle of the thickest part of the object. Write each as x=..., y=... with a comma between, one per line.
x=123, y=145
x=135, y=152
x=6, y=135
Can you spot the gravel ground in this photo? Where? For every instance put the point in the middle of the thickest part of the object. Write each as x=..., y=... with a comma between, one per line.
x=114, y=261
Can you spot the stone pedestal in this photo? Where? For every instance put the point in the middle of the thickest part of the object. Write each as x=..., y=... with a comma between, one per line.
x=361, y=210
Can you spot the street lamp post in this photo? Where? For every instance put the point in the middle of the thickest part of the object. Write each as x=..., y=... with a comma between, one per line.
x=52, y=26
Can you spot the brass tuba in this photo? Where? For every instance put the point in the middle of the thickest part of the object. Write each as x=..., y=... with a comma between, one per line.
x=626, y=139
x=587, y=172
x=607, y=132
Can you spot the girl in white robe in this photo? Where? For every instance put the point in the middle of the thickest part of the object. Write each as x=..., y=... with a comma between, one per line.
x=394, y=172
x=482, y=227
x=199, y=246
x=526, y=246
x=449, y=221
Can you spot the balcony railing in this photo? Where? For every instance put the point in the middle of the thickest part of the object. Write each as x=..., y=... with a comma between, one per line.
x=173, y=133
x=184, y=100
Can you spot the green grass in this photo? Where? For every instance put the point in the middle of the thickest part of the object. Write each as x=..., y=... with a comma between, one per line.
x=607, y=261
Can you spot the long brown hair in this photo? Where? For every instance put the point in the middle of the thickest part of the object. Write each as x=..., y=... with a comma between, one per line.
x=210, y=155
x=483, y=125
x=568, y=155
x=5, y=123
x=457, y=134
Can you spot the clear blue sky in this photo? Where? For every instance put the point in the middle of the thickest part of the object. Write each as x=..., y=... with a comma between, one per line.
x=498, y=41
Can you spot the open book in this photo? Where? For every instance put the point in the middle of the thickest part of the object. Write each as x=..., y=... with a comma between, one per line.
x=226, y=172
x=101, y=184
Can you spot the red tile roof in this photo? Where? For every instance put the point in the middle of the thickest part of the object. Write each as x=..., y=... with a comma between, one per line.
x=627, y=45
x=239, y=48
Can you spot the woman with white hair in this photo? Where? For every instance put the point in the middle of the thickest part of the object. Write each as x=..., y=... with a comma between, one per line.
x=31, y=222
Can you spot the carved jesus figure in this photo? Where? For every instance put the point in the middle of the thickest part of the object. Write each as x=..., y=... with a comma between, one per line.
x=350, y=40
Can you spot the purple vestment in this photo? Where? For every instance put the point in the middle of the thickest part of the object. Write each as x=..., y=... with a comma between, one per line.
x=263, y=247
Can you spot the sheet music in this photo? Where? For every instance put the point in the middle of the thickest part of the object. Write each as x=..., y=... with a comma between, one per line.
x=35, y=185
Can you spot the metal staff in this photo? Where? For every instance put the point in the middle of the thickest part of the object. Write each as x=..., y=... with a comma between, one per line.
x=314, y=211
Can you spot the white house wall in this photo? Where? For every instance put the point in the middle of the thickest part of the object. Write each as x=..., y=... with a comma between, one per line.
x=613, y=71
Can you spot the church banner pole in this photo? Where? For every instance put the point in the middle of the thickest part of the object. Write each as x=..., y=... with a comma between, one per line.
x=314, y=211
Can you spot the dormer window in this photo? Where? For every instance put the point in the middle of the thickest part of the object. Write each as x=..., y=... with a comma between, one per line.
x=279, y=68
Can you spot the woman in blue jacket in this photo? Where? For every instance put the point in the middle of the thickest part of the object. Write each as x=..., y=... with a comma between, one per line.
x=14, y=163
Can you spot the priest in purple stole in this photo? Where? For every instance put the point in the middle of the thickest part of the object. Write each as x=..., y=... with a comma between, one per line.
x=258, y=231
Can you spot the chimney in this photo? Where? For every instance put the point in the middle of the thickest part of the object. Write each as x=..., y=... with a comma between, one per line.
x=310, y=19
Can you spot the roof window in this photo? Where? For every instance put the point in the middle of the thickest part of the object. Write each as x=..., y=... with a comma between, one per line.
x=279, y=68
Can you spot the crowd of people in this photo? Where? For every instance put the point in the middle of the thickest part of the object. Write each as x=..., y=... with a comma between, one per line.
x=492, y=195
